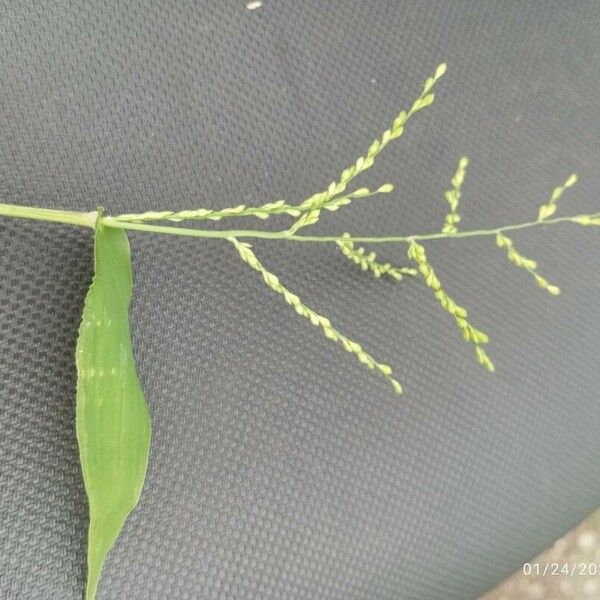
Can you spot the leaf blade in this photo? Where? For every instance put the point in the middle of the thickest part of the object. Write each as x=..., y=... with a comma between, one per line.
x=112, y=416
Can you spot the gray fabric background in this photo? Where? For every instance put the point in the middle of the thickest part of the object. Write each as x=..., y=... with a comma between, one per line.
x=279, y=468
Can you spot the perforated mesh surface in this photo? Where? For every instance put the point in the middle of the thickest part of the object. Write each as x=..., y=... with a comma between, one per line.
x=279, y=468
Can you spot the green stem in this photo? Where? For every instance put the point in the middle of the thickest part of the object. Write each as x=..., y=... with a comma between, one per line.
x=46, y=214
x=283, y=235
x=89, y=220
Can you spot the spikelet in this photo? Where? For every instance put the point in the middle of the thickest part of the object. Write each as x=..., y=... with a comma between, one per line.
x=272, y=281
x=368, y=261
x=469, y=333
x=515, y=257
x=547, y=210
x=588, y=220
x=453, y=196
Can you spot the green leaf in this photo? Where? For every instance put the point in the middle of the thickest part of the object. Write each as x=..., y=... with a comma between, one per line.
x=113, y=421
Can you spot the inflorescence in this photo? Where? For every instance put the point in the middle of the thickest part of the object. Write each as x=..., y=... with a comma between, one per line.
x=335, y=197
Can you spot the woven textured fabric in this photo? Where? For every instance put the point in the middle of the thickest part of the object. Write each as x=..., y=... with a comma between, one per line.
x=279, y=469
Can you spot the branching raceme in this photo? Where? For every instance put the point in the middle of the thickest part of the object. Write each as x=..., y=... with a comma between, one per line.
x=368, y=262
x=122, y=425
x=453, y=197
x=247, y=255
x=469, y=333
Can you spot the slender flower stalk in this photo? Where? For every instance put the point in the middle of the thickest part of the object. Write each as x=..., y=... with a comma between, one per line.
x=581, y=219
x=87, y=218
